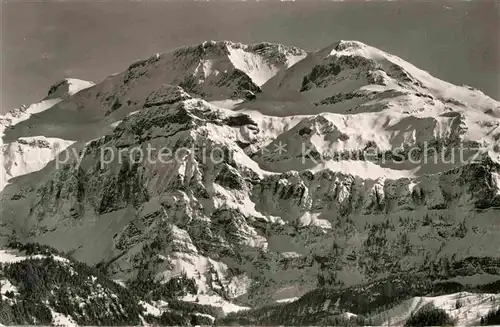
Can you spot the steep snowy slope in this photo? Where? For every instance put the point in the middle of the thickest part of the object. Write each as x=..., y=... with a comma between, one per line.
x=57, y=92
x=318, y=177
x=23, y=113
x=67, y=88
x=425, y=143
x=28, y=154
x=350, y=76
x=357, y=97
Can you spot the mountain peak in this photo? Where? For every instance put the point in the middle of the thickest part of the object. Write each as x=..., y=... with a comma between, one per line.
x=343, y=45
x=67, y=87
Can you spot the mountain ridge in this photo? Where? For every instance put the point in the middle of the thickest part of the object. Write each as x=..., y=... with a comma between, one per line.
x=293, y=172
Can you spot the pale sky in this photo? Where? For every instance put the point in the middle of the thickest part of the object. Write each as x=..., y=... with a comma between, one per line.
x=45, y=42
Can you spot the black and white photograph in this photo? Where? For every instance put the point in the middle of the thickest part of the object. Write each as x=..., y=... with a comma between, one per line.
x=250, y=163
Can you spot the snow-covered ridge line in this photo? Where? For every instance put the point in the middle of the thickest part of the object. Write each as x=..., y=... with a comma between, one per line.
x=68, y=87
x=57, y=92
x=23, y=113
x=443, y=89
x=221, y=61
x=13, y=256
x=29, y=154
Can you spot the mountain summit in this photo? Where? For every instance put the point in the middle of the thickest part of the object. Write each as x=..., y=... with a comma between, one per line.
x=271, y=184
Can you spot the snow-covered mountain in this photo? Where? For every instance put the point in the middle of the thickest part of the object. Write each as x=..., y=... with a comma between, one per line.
x=27, y=154
x=287, y=172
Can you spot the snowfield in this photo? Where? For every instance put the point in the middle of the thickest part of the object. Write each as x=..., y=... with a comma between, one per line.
x=215, y=301
x=61, y=320
x=12, y=256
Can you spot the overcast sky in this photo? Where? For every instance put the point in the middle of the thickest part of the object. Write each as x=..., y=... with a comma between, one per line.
x=45, y=42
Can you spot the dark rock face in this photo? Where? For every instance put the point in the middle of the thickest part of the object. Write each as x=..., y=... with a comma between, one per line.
x=199, y=51
x=325, y=73
x=319, y=72
x=242, y=83
x=249, y=95
x=275, y=52
x=240, y=120
x=230, y=178
x=340, y=97
x=38, y=143
x=54, y=88
x=166, y=94
x=347, y=195
x=124, y=188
